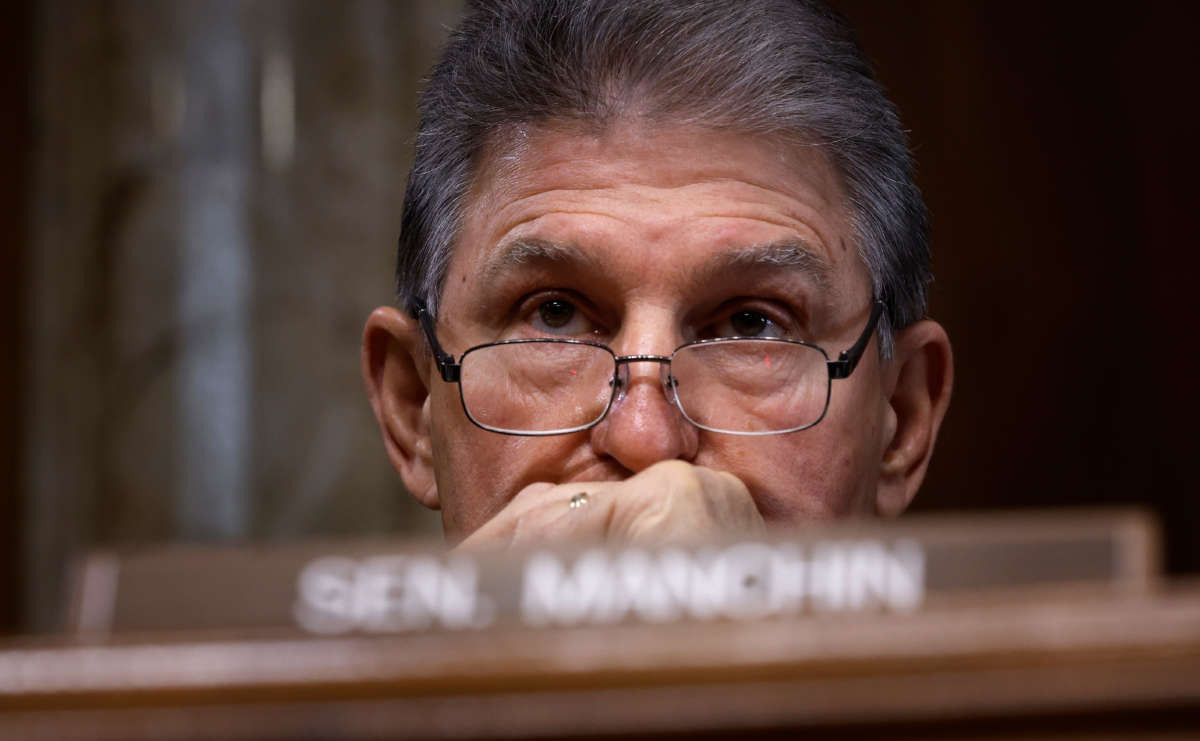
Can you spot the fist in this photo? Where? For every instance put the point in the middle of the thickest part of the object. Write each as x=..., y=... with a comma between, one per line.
x=671, y=501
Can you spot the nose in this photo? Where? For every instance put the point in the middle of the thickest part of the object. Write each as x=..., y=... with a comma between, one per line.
x=643, y=425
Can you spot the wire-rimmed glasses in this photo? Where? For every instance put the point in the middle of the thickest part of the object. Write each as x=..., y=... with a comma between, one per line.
x=732, y=385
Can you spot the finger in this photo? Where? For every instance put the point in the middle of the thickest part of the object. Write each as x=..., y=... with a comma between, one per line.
x=578, y=513
x=542, y=512
x=677, y=501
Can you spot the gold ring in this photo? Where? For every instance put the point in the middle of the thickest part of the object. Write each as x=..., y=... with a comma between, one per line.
x=578, y=500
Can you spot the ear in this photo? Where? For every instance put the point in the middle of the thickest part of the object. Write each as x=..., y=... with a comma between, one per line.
x=921, y=377
x=395, y=368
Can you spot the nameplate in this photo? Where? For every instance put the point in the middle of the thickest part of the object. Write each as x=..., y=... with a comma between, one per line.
x=369, y=587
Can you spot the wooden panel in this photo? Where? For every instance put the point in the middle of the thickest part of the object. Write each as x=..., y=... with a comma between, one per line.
x=1033, y=663
x=389, y=586
x=1027, y=626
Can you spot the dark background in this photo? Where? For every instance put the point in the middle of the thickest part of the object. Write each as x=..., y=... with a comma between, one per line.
x=1056, y=146
x=15, y=125
x=1056, y=150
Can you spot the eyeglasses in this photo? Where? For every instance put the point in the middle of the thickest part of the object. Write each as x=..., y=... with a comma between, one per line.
x=732, y=385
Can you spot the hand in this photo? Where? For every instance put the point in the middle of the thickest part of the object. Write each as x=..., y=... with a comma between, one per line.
x=670, y=501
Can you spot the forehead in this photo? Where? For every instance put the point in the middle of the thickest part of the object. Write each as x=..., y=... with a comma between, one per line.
x=659, y=199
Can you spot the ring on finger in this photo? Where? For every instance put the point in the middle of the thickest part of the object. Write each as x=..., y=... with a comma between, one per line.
x=578, y=501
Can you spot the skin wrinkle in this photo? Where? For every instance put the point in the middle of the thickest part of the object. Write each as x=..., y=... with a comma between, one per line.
x=759, y=217
x=645, y=285
x=520, y=252
x=502, y=154
x=682, y=132
x=634, y=271
x=792, y=254
x=781, y=71
x=521, y=201
x=511, y=178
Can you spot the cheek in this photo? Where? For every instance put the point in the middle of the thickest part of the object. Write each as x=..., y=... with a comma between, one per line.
x=853, y=445
x=479, y=472
x=795, y=478
x=464, y=465
x=821, y=473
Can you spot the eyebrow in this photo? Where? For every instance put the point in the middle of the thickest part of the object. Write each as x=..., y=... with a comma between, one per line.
x=531, y=250
x=791, y=253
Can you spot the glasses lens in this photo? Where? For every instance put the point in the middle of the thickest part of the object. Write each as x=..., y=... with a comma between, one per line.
x=751, y=386
x=542, y=386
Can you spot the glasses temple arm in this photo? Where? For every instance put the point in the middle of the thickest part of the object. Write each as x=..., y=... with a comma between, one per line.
x=449, y=369
x=848, y=359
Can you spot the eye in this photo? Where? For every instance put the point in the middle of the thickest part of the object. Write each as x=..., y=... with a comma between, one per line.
x=559, y=317
x=556, y=314
x=748, y=323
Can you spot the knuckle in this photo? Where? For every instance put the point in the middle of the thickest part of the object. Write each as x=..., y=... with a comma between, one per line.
x=674, y=468
x=733, y=483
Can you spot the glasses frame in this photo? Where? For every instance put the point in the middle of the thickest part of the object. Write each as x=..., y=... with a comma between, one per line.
x=451, y=370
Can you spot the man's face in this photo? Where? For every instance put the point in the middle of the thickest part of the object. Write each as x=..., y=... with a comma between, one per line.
x=647, y=238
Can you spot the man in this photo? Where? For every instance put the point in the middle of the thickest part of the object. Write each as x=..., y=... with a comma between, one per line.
x=661, y=275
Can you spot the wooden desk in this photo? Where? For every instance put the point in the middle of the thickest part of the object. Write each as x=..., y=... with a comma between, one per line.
x=1077, y=661
x=1077, y=666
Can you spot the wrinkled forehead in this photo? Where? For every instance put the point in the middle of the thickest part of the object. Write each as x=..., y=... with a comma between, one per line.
x=511, y=151
x=784, y=178
x=674, y=206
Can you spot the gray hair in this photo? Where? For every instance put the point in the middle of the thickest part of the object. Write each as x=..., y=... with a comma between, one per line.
x=784, y=68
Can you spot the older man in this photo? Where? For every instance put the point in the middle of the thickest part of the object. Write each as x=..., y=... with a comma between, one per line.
x=662, y=275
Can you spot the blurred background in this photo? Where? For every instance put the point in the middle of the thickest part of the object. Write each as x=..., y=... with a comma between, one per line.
x=203, y=200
